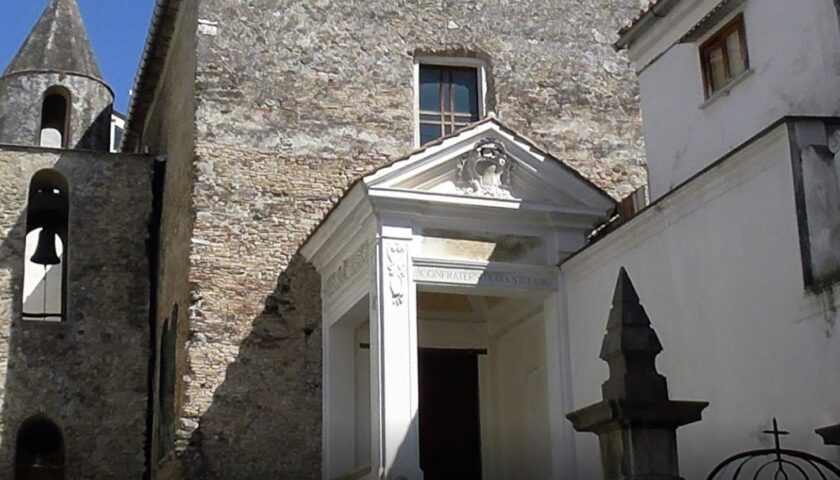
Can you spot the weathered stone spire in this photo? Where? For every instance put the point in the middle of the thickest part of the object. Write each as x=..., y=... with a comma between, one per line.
x=636, y=422
x=58, y=43
x=52, y=94
x=630, y=348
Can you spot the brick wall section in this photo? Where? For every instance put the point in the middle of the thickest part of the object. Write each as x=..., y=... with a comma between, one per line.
x=88, y=373
x=297, y=99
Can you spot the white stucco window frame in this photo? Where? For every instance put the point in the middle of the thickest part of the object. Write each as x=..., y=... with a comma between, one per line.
x=449, y=61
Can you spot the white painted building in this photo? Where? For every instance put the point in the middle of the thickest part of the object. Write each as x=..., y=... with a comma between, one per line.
x=793, y=65
x=456, y=249
x=117, y=130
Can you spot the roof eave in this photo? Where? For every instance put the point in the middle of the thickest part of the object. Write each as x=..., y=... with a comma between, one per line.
x=641, y=25
x=145, y=82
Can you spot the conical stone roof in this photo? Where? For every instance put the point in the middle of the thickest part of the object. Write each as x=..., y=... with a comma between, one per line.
x=58, y=43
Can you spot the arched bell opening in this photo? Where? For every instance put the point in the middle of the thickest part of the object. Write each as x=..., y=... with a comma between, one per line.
x=55, y=118
x=45, y=262
x=39, y=450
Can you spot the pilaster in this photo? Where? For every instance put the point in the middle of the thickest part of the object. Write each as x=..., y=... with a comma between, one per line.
x=394, y=375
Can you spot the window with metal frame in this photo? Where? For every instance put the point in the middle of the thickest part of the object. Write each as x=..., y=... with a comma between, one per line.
x=724, y=56
x=449, y=100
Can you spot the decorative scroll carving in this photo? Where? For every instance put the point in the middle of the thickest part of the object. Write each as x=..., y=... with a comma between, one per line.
x=396, y=267
x=348, y=269
x=486, y=171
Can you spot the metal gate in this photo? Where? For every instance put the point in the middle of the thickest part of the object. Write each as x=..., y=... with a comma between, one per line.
x=776, y=464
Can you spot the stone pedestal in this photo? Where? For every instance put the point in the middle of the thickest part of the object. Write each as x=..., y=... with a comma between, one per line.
x=638, y=439
x=831, y=435
x=636, y=422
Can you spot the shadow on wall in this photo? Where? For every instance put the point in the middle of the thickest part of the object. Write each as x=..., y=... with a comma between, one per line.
x=265, y=418
x=11, y=261
x=98, y=136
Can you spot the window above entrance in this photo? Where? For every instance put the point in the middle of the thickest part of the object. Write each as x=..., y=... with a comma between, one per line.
x=450, y=95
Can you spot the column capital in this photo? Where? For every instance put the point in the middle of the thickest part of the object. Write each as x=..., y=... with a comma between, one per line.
x=608, y=415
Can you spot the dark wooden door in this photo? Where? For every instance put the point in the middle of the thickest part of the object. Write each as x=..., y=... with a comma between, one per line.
x=450, y=432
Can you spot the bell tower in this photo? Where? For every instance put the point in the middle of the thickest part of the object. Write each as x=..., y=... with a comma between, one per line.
x=52, y=94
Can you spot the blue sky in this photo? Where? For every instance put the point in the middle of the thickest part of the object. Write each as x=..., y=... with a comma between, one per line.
x=117, y=29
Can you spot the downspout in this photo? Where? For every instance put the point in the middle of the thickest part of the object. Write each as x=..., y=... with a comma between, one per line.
x=153, y=254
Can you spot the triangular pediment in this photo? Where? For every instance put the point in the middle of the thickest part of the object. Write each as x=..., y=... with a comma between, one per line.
x=490, y=161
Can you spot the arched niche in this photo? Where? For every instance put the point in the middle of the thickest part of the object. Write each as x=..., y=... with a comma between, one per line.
x=55, y=118
x=39, y=450
x=45, y=254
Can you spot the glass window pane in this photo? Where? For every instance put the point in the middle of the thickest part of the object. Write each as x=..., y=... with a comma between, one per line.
x=717, y=70
x=733, y=48
x=446, y=80
x=465, y=89
x=430, y=88
x=466, y=118
x=429, y=133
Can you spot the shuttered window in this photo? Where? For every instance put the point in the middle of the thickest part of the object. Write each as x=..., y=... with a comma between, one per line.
x=724, y=56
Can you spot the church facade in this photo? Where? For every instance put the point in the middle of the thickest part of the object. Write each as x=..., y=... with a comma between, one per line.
x=364, y=240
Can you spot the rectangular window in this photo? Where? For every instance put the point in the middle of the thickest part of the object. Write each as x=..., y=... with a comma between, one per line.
x=449, y=99
x=724, y=56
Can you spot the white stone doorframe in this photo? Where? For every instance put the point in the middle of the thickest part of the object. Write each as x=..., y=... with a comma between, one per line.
x=390, y=280
x=394, y=232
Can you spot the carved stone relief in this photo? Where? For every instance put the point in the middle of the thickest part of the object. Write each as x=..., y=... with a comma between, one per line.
x=486, y=171
x=834, y=144
x=397, y=270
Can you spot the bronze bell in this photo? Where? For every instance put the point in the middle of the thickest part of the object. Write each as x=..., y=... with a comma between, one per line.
x=45, y=253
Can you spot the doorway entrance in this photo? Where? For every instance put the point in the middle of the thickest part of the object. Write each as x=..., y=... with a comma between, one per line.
x=450, y=428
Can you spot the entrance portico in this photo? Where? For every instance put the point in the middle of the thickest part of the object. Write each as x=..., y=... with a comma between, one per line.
x=449, y=255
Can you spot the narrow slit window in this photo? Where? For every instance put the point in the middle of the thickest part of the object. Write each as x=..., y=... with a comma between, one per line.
x=55, y=118
x=724, y=56
x=166, y=383
x=39, y=450
x=449, y=100
x=45, y=254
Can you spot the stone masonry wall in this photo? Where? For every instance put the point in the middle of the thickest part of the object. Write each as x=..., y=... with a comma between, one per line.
x=21, y=99
x=297, y=99
x=169, y=131
x=88, y=373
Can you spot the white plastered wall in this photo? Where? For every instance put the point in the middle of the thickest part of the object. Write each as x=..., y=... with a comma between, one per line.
x=516, y=438
x=717, y=266
x=794, y=57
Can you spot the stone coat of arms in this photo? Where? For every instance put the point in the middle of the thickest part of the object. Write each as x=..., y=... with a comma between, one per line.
x=487, y=170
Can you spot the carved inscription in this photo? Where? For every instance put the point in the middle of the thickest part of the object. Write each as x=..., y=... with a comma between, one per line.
x=348, y=269
x=476, y=277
